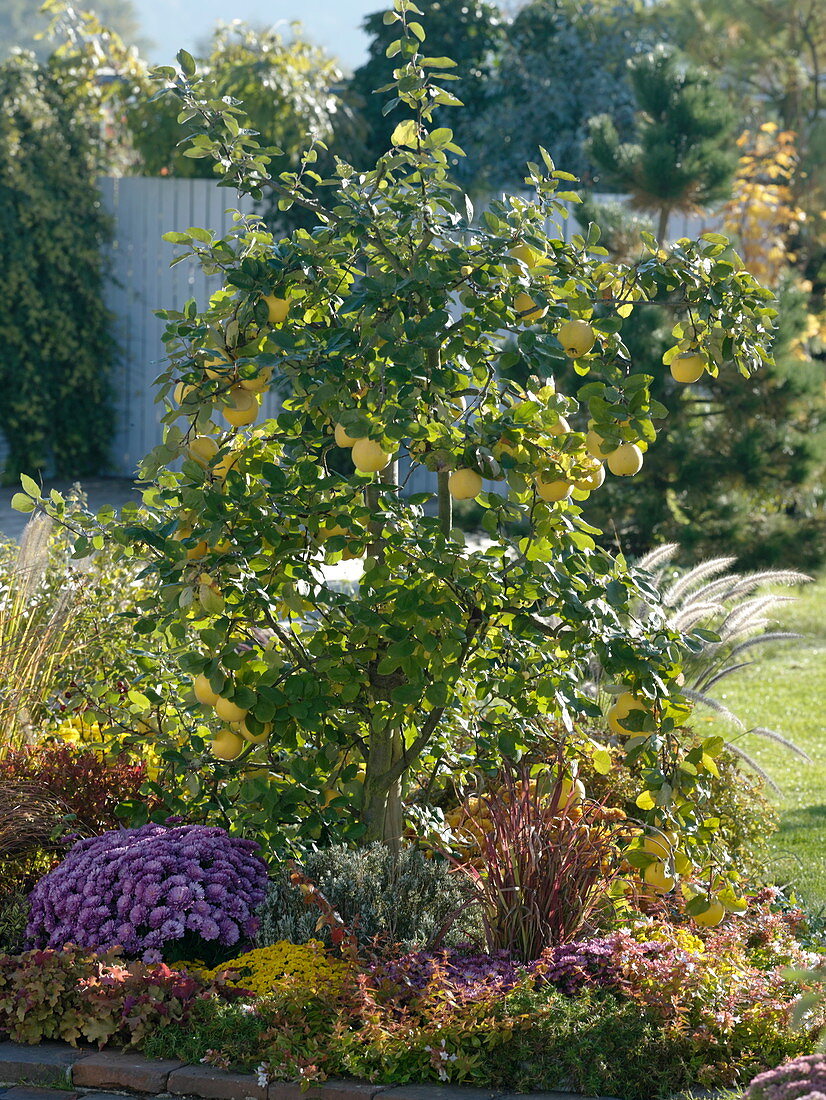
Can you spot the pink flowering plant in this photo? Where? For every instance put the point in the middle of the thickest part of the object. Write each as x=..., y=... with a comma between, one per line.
x=155, y=893
x=800, y=1079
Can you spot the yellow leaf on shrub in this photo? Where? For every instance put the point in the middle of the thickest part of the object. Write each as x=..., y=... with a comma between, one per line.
x=602, y=761
x=710, y=765
x=645, y=801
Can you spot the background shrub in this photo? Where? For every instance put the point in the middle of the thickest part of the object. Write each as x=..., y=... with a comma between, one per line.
x=55, y=400
x=736, y=797
x=48, y=795
x=407, y=900
x=87, y=787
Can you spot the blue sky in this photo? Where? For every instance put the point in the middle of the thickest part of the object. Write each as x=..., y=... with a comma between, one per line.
x=333, y=24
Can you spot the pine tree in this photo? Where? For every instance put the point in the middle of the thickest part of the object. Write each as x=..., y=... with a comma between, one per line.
x=683, y=156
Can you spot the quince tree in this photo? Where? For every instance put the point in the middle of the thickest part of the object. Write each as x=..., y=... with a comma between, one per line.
x=388, y=327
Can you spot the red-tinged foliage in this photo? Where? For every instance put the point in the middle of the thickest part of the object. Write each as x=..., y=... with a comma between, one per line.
x=73, y=995
x=545, y=862
x=86, y=786
x=342, y=937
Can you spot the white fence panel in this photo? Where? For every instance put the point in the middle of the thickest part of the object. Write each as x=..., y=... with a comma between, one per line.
x=141, y=281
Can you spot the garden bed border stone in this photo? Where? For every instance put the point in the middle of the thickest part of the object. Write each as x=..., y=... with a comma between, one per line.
x=47, y=1072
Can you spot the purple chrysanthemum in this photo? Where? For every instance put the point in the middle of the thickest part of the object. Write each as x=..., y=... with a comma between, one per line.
x=125, y=889
x=468, y=975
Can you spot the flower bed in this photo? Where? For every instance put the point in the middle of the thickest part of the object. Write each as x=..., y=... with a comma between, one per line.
x=641, y=1012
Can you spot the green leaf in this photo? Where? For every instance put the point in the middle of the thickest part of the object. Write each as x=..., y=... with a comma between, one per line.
x=30, y=486
x=440, y=137
x=187, y=62
x=715, y=238
x=439, y=62
x=22, y=503
x=602, y=761
x=406, y=694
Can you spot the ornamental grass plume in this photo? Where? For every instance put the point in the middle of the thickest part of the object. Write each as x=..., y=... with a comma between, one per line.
x=154, y=892
x=39, y=627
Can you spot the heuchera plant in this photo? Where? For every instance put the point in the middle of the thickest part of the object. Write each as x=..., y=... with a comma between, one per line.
x=152, y=892
x=71, y=995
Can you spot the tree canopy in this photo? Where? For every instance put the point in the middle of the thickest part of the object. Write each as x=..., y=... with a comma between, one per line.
x=341, y=708
x=21, y=20
x=291, y=90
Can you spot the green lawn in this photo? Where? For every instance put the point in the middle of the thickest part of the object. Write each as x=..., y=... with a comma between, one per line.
x=786, y=690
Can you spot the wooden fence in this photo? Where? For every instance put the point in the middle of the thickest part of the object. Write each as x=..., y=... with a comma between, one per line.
x=141, y=281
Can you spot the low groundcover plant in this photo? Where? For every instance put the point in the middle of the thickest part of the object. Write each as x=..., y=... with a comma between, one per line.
x=260, y=971
x=73, y=995
x=639, y=1012
x=154, y=892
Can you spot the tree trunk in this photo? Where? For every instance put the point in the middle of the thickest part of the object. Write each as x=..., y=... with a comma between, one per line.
x=394, y=810
x=662, y=225
x=382, y=810
x=445, y=503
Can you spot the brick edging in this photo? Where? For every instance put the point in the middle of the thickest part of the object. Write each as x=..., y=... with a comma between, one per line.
x=85, y=1069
